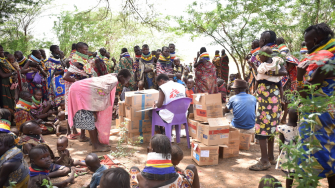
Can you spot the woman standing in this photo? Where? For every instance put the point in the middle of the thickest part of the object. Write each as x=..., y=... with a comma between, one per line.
x=7, y=72
x=321, y=48
x=205, y=74
x=91, y=103
x=164, y=63
x=126, y=62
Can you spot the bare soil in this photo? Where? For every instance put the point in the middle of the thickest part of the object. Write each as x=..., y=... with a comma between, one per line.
x=232, y=172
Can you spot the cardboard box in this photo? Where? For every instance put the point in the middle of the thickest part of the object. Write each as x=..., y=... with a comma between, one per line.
x=138, y=125
x=133, y=137
x=207, y=106
x=216, y=132
x=122, y=111
x=143, y=99
x=233, y=146
x=133, y=114
x=193, y=129
x=204, y=155
x=119, y=122
x=245, y=140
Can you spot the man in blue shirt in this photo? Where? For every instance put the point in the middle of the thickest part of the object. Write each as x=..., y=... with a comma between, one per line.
x=244, y=106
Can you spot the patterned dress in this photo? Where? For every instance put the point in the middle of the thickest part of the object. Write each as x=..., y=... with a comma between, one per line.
x=205, y=78
x=164, y=65
x=224, y=68
x=324, y=130
x=32, y=85
x=101, y=65
x=7, y=95
x=125, y=63
x=56, y=85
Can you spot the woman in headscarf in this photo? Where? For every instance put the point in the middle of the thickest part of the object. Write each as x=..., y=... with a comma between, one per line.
x=35, y=75
x=321, y=49
x=91, y=103
x=8, y=78
x=205, y=74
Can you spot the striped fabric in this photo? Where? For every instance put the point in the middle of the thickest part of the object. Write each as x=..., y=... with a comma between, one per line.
x=205, y=56
x=156, y=164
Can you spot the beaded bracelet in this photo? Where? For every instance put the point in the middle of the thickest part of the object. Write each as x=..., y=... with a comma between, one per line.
x=270, y=73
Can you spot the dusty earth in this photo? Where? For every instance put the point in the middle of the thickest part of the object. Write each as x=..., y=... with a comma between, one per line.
x=232, y=172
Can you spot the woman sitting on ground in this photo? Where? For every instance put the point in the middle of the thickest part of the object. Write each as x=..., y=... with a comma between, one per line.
x=153, y=175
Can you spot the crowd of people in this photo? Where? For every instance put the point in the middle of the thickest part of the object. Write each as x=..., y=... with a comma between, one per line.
x=58, y=95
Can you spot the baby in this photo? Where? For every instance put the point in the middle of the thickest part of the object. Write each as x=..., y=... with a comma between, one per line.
x=176, y=156
x=269, y=64
x=39, y=171
x=93, y=164
x=64, y=154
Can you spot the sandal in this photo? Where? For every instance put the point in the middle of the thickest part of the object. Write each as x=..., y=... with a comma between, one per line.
x=260, y=166
x=71, y=137
x=85, y=139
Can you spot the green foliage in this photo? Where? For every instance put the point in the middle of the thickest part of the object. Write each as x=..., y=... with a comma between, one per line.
x=9, y=8
x=16, y=34
x=124, y=150
x=234, y=24
x=114, y=32
x=47, y=183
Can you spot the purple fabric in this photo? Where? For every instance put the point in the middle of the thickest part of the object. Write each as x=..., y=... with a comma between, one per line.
x=179, y=108
x=37, y=78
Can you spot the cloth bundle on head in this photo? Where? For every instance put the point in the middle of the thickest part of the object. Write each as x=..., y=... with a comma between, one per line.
x=24, y=105
x=156, y=164
x=94, y=94
x=304, y=50
x=4, y=126
x=205, y=56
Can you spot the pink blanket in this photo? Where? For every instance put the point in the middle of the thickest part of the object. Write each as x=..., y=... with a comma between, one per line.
x=94, y=94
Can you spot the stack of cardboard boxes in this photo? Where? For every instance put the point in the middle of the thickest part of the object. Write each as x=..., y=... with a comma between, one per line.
x=211, y=133
x=136, y=121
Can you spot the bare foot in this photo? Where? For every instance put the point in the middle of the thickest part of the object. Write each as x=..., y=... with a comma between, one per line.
x=58, y=134
x=71, y=179
x=101, y=148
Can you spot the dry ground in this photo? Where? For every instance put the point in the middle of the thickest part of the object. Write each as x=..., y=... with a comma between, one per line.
x=232, y=172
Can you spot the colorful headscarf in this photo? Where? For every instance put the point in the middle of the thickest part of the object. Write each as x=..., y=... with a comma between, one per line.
x=156, y=164
x=24, y=105
x=4, y=126
x=205, y=56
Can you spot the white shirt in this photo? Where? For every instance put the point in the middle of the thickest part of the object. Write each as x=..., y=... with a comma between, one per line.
x=265, y=67
x=172, y=91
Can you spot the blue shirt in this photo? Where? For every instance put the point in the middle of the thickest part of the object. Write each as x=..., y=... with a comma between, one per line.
x=95, y=181
x=244, y=106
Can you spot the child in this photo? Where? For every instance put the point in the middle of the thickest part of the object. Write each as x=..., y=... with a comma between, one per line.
x=176, y=156
x=93, y=163
x=177, y=79
x=270, y=64
x=232, y=78
x=40, y=109
x=64, y=154
x=40, y=165
x=177, y=68
x=12, y=166
x=269, y=181
x=23, y=107
x=185, y=77
x=290, y=132
x=222, y=89
x=189, y=93
x=117, y=177
x=61, y=123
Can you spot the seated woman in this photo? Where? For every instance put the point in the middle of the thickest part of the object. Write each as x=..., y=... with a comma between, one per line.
x=23, y=114
x=39, y=109
x=153, y=175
